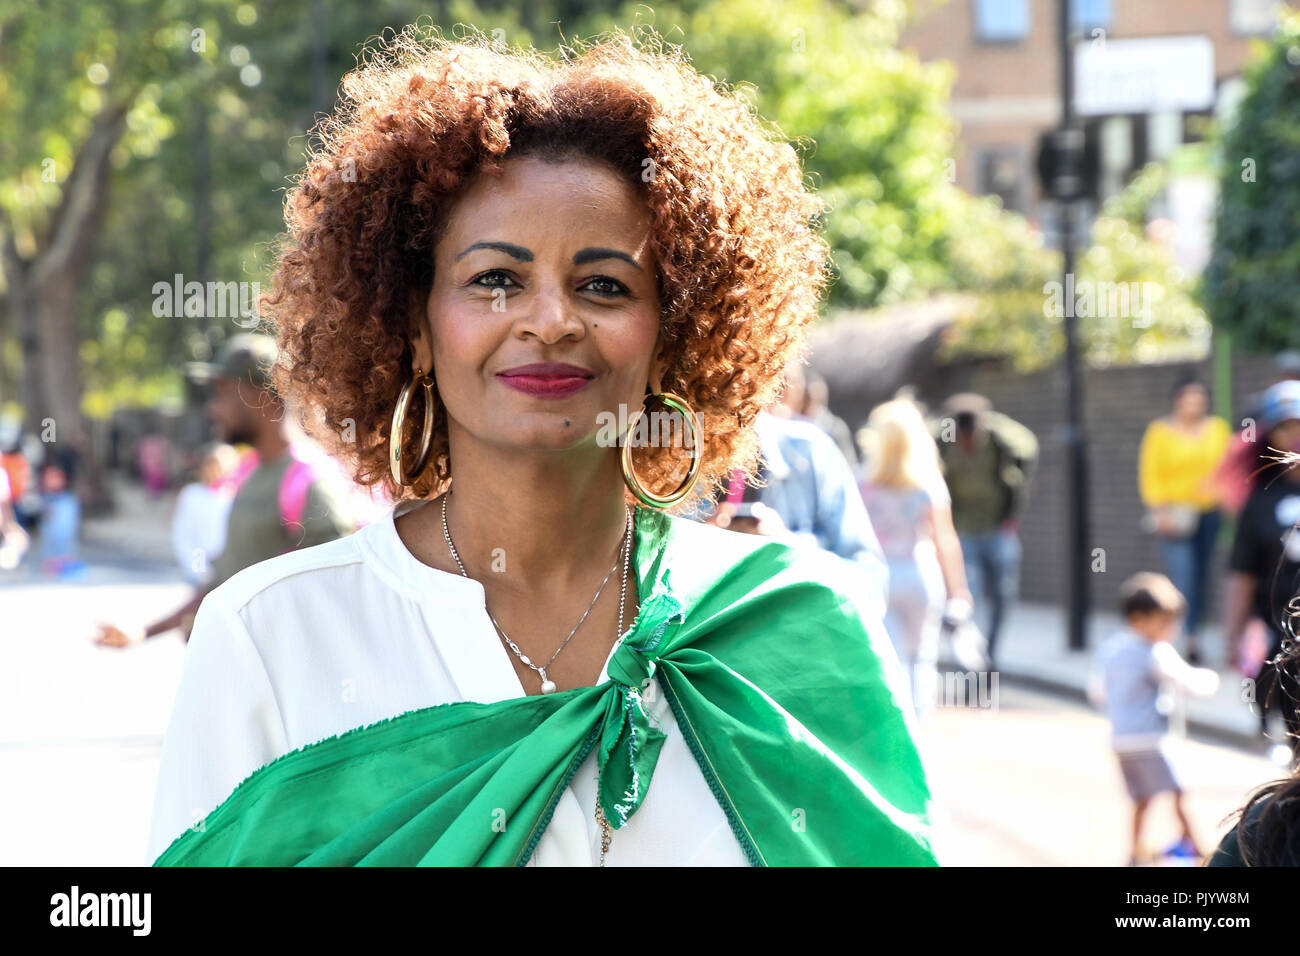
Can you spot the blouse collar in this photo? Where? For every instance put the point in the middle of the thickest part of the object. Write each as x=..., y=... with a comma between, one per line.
x=658, y=604
x=385, y=549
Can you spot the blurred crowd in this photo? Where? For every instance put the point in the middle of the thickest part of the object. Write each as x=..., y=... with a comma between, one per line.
x=39, y=502
x=926, y=502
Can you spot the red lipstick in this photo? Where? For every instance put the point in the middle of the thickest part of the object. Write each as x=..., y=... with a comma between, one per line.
x=547, y=379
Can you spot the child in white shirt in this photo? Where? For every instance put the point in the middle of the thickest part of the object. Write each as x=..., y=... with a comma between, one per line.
x=1137, y=669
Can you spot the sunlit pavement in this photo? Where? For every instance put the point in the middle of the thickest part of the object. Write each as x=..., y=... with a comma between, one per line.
x=81, y=726
x=1034, y=783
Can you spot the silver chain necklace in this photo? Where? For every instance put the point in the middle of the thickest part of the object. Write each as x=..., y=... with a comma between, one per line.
x=548, y=685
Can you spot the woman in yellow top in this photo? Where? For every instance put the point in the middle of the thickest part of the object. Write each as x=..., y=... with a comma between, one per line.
x=1176, y=464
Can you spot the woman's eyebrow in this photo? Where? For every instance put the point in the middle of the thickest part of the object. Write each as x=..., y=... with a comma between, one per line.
x=509, y=248
x=593, y=254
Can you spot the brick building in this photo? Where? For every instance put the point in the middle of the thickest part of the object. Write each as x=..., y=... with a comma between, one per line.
x=1006, y=91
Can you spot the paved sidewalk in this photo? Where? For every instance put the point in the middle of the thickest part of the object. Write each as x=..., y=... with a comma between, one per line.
x=1032, y=652
x=140, y=527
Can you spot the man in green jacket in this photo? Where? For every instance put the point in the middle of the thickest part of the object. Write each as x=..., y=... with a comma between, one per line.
x=988, y=460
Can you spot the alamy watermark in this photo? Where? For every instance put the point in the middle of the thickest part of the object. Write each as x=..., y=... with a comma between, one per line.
x=75, y=908
x=1086, y=299
x=975, y=689
x=211, y=300
x=656, y=428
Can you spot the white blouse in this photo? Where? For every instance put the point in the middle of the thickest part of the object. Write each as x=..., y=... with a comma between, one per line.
x=318, y=641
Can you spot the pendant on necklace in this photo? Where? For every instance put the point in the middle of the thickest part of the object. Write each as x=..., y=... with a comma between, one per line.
x=548, y=685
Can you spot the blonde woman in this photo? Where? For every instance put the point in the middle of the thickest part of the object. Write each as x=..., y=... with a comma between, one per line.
x=910, y=508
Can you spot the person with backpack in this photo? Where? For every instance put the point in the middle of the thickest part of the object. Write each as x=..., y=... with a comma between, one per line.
x=283, y=501
x=988, y=462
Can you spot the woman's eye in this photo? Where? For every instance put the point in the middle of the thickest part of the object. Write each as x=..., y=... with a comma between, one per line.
x=494, y=279
x=604, y=285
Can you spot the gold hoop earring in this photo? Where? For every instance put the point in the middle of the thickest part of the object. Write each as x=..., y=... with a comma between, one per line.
x=683, y=408
x=395, y=456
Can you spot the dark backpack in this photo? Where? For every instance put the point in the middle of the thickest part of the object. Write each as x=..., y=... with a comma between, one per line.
x=1015, y=451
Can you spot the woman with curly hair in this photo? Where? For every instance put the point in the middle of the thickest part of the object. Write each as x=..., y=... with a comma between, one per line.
x=502, y=273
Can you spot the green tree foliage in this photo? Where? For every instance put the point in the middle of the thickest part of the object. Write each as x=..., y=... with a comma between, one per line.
x=1252, y=284
x=217, y=97
x=1000, y=257
x=1149, y=315
x=872, y=119
x=1171, y=325
x=880, y=143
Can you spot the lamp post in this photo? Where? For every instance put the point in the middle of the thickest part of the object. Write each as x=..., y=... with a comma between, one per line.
x=1076, y=462
x=1066, y=173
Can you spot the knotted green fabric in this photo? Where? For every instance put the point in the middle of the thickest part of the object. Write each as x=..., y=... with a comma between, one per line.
x=788, y=697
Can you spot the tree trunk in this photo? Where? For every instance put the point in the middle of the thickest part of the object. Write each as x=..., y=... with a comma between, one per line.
x=44, y=293
x=22, y=312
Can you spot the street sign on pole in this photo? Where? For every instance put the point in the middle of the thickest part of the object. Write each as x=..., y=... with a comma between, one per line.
x=1143, y=75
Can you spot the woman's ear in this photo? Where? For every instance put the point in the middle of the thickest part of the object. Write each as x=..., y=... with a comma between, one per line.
x=657, y=369
x=421, y=347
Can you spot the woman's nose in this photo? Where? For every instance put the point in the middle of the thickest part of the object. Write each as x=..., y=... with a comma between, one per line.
x=550, y=316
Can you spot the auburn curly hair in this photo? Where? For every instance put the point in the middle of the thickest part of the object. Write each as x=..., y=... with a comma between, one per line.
x=735, y=231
